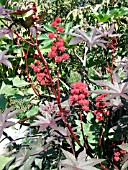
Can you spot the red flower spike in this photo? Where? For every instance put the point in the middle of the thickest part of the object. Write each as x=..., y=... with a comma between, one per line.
x=86, y=93
x=101, y=108
x=71, y=97
x=95, y=112
x=58, y=44
x=77, y=95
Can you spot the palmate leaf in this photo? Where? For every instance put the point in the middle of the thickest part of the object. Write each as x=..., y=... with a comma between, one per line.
x=47, y=117
x=109, y=32
x=26, y=156
x=95, y=37
x=79, y=163
x=125, y=159
x=5, y=12
x=4, y=119
x=123, y=64
x=115, y=89
x=124, y=146
x=47, y=121
x=4, y=58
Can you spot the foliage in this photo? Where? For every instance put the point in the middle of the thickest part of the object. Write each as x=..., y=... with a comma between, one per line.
x=78, y=163
x=64, y=69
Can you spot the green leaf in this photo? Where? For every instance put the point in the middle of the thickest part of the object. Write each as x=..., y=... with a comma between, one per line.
x=2, y=2
x=45, y=50
x=90, y=116
x=32, y=111
x=43, y=37
x=103, y=18
x=3, y=101
x=4, y=160
x=8, y=90
x=49, y=28
x=74, y=77
x=47, y=43
x=68, y=26
x=19, y=83
x=119, y=12
x=94, y=95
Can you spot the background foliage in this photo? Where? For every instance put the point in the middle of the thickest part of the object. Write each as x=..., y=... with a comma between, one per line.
x=51, y=148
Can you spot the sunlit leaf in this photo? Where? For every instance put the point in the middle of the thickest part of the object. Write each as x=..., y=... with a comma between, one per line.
x=124, y=146
x=32, y=111
x=19, y=83
x=80, y=163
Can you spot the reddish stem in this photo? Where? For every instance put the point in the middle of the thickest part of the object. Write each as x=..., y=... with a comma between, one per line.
x=73, y=151
x=103, y=167
x=70, y=129
x=23, y=120
x=26, y=71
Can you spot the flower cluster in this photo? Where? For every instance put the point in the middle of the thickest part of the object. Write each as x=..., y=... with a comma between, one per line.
x=101, y=110
x=41, y=74
x=58, y=48
x=79, y=94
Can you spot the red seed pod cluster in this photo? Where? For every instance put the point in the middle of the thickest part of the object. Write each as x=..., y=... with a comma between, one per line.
x=58, y=48
x=41, y=74
x=79, y=94
x=101, y=110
